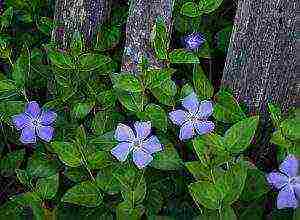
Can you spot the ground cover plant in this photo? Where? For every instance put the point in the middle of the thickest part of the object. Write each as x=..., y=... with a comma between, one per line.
x=80, y=139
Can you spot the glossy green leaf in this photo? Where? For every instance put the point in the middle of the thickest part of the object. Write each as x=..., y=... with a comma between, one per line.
x=125, y=211
x=47, y=187
x=81, y=109
x=108, y=37
x=202, y=85
x=239, y=136
x=137, y=194
x=21, y=70
x=190, y=9
x=209, y=6
x=291, y=129
x=155, y=77
x=7, y=86
x=255, y=185
x=107, y=182
x=160, y=39
x=156, y=115
x=77, y=43
x=23, y=177
x=198, y=170
x=132, y=101
x=6, y=17
x=11, y=161
x=60, y=59
x=85, y=194
x=165, y=93
x=167, y=159
x=127, y=82
x=182, y=56
x=226, y=108
x=67, y=153
x=275, y=113
x=206, y=194
x=92, y=62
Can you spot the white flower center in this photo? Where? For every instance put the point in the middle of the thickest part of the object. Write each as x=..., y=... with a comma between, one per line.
x=137, y=143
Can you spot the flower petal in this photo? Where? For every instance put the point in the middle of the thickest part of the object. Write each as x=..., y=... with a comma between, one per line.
x=45, y=132
x=143, y=129
x=191, y=103
x=178, y=117
x=47, y=117
x=203, y=127
x=124, y=133
x=121, y=151
x=290, y=166
x=152, y=145
x=28, y=135
x=141, y=158
x=186, y=131
x=296, y=188
x=205, y=109
x=20, y=121
x=33, y=109
x=286, y=198
x=277, y=179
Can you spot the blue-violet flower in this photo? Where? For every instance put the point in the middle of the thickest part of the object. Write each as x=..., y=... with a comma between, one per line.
x=136, y=142
x=193, y=41
x=287, y=181
x=195, y=118
x=34, y=122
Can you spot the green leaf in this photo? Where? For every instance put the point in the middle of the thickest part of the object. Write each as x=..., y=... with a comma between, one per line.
x=153, y=202
x=160, y=39
x=167, y=159
x=125, y=211
x=9, y=109
x=182, y=56
x=77, y=43
x=275, y=113
x=291, y=129
x=107, y=182
x=239, y=136
x=10, y=162
x=127, y=82
x=99, y=159
x=279, y=140
x=85, y=194
x=108, y=37
x=6, y=17
x=232, y=182
x=132, y=101
x=104, y=142
x=156, y=115
x=255, y=185
x=45, y=25
x=60, y=59
x=47, y=187
x=23, y=177
x=186, y=90
x=209, y=6
x=206, y=194
x=202, y=85
x=190, y=9
x=76, y=174
x=81, y=109
x=227, y=213
x=226, y=108
x=90, y=62
x=7, y=86
x=155, y=77
x=165, y=93
x=137, y=194
x=21, y=70
x=107, y=99
x=199, y=170
x=67, y=153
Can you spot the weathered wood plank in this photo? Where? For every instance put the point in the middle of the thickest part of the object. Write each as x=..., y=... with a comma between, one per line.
x=79, y=15
x=140, y=22
x=261, y=62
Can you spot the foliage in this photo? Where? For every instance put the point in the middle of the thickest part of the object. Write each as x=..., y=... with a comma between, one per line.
x=79, y=172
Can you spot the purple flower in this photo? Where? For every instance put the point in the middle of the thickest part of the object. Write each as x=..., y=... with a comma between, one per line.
x=195, y=118
x=193, y=41
x=137, y=142
x=287, y=181
x=34, y=122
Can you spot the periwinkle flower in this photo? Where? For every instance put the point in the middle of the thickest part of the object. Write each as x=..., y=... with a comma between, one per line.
x=34, y=122
x=194, y=119
x=287, y=181
x=193, y=41
x=138, y=142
